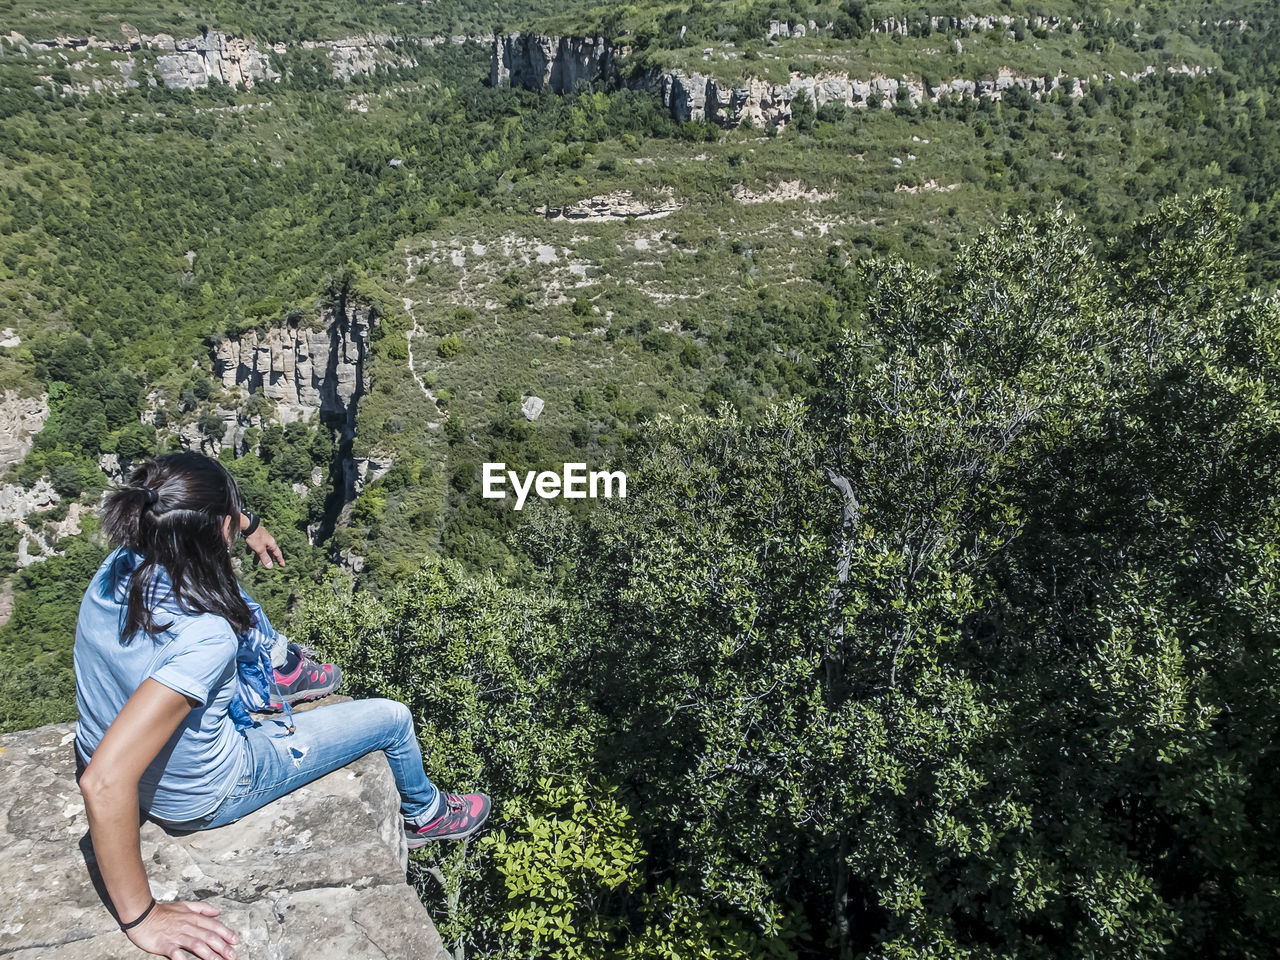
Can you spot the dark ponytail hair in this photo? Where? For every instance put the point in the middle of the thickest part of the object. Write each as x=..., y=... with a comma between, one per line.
x=171, y=512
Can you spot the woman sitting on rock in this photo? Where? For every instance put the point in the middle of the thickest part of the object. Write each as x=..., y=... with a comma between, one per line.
x=168, y=654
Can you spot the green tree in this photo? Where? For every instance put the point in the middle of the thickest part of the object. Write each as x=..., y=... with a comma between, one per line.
x=950, y=656
x=569, y=850
x=803, y=113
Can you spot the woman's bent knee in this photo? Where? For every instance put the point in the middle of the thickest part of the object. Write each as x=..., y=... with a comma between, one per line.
x=396, y=713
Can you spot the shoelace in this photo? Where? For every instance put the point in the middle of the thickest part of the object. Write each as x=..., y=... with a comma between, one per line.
x=312, y=655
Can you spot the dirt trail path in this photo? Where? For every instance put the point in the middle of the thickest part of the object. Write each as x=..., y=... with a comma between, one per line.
x=409, y=335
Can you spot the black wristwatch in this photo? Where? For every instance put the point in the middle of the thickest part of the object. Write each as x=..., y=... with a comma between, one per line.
x=254, y=522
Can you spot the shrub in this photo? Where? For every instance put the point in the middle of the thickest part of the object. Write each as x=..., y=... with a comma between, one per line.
x=449, y=347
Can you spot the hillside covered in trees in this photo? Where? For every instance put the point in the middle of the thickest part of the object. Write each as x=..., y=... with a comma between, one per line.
x=971, y=655
x=939, y=618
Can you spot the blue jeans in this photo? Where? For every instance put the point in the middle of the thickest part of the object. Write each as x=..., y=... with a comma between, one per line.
x=327, y=739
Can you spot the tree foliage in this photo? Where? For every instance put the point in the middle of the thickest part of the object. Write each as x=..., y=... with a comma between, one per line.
x=972, y=656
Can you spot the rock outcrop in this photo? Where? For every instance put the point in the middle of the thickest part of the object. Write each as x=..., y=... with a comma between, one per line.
x=369, y=470
x=17, y=502
x=698, y=97
x=971, y=22
x=532, y=408
x=41, y=543
x=38, y=536
x=318, y=874
x=905, y=25
x=191, y=63
x=21, y=418
x=308, y=373
x=363, y=56
x=785, y=192
x=561, y=63
x=616, y=206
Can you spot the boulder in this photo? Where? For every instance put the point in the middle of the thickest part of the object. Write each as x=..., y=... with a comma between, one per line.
x=318, y=874
x=369, y=470
x=532, y=408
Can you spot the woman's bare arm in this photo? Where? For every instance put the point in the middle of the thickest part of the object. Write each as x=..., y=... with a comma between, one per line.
x=110, y=787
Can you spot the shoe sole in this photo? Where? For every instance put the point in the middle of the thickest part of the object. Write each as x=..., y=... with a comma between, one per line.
x=416, y=842
x=307, y=698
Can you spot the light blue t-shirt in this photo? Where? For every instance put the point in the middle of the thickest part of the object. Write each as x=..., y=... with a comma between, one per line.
x=196, y=656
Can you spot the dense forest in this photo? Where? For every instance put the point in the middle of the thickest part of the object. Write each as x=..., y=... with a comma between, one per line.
x=972, y=654
x=939, y=619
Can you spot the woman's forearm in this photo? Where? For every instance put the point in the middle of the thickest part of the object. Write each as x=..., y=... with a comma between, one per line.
x=149, y=718
x=113, y=827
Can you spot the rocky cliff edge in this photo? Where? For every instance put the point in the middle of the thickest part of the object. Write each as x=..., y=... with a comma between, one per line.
x=319, y=874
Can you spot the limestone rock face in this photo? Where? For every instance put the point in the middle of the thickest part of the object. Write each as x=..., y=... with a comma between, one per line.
x=190, y=63
x=686, y=96
x=697, y=97
x=362, y=56
x=318, y=874
x=17, y=502
x=369, y=470
x=21, y=418
x=306, y=373
x=561, y=63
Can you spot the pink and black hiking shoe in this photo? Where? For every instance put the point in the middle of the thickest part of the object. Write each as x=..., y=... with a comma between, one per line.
x=302, y=678
x=463, y=815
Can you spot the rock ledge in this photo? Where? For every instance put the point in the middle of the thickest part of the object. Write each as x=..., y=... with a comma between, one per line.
x=319, y=874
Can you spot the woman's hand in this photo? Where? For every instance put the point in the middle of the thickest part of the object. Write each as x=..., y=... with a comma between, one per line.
x=188, y=926
x=264, y=546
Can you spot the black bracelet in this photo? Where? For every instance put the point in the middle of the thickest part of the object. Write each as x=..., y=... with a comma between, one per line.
x=254, y=522
x=145, y=913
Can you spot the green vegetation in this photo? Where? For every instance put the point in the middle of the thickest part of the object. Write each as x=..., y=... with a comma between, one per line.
x=269, y=20
x=142, y=225
x=938, y=621
x=972, y=653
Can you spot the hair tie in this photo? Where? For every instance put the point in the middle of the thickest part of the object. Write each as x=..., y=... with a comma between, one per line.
x=152, y=494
